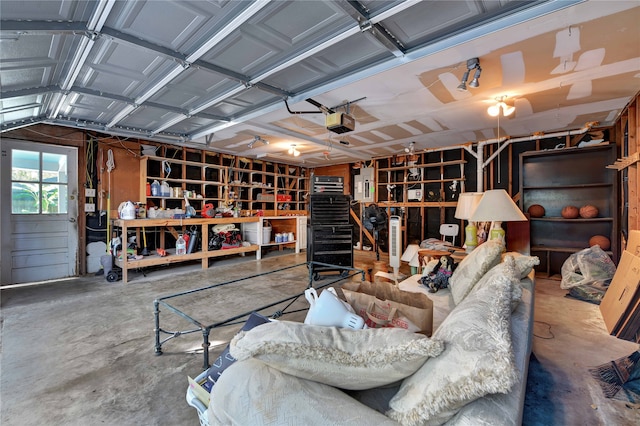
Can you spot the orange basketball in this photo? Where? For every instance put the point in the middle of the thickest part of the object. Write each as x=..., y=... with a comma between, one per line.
x=600, y=240
x=570, y=212
x=536, y=210
x=588, y=211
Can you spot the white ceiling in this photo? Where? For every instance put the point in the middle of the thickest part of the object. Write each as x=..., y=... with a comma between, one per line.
x=216, y=74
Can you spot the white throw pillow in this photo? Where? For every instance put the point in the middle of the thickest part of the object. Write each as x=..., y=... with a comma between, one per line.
x=478, y=359
x=340, y=357
x=507, y=268
x=524, y=263
x=473, y=267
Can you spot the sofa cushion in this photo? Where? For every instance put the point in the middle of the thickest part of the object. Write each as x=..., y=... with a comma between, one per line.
x=478, y=358
x=506, y=409
x=340, y=357
x=252, y=393
x=473, y=267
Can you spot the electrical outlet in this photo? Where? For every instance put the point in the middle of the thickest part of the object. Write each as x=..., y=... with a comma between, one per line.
x=89, y=208
x=89, y=192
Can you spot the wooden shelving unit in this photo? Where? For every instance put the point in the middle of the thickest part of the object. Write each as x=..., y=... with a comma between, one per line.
x=221, y=179
x=171, y=225
x=424, y=191
x=572, y=176
x=297, y=225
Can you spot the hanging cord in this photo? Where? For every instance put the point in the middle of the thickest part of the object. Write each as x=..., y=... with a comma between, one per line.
x=110, y=166
x=498, y=148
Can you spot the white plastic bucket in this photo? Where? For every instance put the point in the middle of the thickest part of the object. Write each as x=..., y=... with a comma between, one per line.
x=250, y=235
x=266, y=234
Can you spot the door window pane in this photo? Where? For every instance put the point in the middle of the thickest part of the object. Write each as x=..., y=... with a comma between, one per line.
x=54, y=168
x=25, y=198
x=53, y=197
x=26, y=166
x=39, y=183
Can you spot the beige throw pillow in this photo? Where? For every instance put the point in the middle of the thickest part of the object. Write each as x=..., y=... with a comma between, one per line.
x=478, y=359
x=340, y=357
x=507, y=268
x=473, y=267
x=524, y=263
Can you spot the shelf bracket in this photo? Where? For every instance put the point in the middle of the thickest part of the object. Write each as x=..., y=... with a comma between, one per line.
x=625, y=162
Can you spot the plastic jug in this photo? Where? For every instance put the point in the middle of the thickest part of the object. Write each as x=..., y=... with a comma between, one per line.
x=155, y=189
x=181, y=245
x=165, y=190
x=127, y=210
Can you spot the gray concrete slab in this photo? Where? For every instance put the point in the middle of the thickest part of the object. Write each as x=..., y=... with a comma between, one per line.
x=81, y=351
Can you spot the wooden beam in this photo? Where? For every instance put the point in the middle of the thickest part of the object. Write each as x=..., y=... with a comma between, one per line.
x=633, y=215
x=358, y=221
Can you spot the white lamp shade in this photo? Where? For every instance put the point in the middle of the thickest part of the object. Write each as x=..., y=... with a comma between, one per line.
x=467, y=204
x=497, y=206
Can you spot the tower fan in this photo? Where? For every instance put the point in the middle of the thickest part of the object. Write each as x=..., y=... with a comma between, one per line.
x=395, y=245
x=374, y=219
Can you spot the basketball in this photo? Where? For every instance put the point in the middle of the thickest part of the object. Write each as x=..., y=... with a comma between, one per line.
x=600, y=240
x=570, y=212
x=536, y=210
x=588, y=211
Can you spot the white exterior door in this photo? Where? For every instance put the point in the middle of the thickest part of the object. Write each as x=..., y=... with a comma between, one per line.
x=39, y=212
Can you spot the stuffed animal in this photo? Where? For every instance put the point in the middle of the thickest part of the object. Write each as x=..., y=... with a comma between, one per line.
x=438, y=277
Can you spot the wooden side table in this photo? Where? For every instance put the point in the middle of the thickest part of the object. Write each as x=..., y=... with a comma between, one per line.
x=427, y=255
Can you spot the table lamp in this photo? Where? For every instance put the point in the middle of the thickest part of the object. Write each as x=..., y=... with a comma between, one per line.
x=467, y=203
x=497, y=206
x=410, y=255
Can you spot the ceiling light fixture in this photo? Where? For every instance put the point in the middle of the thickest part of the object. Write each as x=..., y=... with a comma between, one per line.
x=507, y=110
x=293, y=151
x=472, y=64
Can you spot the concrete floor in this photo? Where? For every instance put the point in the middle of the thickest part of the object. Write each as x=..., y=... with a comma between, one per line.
x=81, y=352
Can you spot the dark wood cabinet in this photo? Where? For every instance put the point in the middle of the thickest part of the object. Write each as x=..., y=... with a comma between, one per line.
x=569, y=177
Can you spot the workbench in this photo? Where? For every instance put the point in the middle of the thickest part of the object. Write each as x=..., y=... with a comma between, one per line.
x=170, y=225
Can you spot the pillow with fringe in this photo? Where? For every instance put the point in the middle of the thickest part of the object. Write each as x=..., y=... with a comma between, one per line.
x=508, y=268
x=340, y=357
x=473, y=267
x=477, y=360
x=524, y=263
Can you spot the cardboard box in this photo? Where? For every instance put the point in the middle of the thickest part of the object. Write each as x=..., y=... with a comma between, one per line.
x=633, y=243
x=622, y=298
